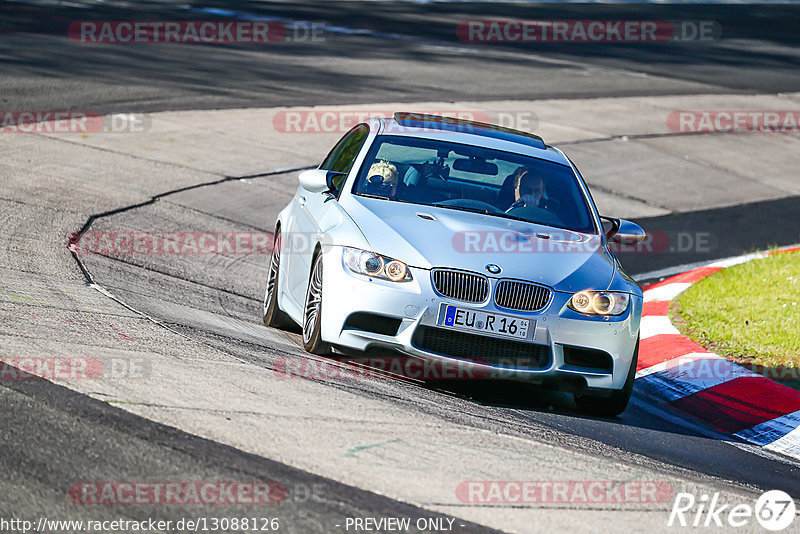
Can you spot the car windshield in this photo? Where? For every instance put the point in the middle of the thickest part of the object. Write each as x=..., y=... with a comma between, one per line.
x=469, y=178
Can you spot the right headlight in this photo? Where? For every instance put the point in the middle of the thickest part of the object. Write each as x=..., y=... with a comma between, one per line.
x=371, y=264
x=599, y=302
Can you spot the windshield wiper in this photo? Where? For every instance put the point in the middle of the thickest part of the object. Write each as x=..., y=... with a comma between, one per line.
x=464, y=208
x=381, y=197
x=485, y=212
x=514, y=217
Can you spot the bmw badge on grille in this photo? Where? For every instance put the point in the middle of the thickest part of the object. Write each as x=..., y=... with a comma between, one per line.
x=493, y=268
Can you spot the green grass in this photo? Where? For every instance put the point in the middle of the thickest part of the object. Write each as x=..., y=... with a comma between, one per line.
x=749, y=313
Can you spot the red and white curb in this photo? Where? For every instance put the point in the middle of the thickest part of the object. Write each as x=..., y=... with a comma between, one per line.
x=732, y=399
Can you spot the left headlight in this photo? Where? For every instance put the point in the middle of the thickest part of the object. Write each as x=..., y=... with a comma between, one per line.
x=372, y=264
x=599, y=302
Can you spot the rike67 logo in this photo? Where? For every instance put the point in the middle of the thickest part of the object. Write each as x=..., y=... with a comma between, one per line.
x=774, y=510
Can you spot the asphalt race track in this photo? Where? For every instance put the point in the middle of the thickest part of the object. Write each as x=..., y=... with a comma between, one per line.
x=401, y=58
x=209, y=404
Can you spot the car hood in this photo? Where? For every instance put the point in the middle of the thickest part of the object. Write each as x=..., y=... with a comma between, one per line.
x=426, y=237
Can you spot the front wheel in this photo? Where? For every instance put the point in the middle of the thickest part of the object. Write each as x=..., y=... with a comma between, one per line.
x=614, y=404
x=312, y=313
x=273, y=315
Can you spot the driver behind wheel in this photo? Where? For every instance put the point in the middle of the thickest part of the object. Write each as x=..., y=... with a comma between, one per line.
x=530, y=193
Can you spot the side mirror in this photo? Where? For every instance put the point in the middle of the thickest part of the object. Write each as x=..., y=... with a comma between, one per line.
x=624, y=231
x=314, y=180
x=322, y=181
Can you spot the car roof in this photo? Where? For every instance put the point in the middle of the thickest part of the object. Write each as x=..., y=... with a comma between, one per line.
x=469, y=133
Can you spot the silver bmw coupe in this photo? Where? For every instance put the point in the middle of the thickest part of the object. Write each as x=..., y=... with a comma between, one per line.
x=459, y=243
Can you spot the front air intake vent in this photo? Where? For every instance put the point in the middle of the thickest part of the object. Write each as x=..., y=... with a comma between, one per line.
x=372, y=322
x=588, y=358
x=521, y=296
x=461, y=285
x=481, y=349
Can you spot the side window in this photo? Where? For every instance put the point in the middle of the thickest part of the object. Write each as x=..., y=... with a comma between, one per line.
x=343, y=155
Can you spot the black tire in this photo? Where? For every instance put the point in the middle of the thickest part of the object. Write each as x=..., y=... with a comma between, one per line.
x=272, y=314
x=312, y=312
x=614, y=404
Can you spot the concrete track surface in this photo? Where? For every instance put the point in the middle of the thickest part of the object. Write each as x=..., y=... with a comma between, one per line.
x=199, y=395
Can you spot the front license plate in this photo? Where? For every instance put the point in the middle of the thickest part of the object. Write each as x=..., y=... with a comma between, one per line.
x=485, y=322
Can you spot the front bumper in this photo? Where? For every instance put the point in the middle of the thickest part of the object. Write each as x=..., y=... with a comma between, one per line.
x=415, y=304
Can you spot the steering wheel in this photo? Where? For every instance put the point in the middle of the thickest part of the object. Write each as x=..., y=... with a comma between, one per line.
x=433, y=169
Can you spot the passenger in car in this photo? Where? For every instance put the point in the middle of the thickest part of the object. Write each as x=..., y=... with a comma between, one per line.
x=381, y=180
